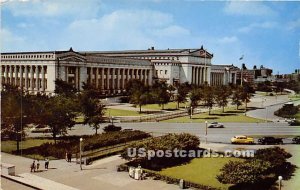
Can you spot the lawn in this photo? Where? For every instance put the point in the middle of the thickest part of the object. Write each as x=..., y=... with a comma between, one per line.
x=113, y=112
x=119, y=112
x=168, y=106
x=294, y=97
x=200, y=170
x=229, y=116
x=9, y=146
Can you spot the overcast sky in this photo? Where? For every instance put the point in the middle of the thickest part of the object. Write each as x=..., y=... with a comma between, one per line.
x=266, y=33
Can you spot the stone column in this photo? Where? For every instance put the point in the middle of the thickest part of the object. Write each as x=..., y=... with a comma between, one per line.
x=118, y=79
x=123, y=79
x=43, y=78
x=31, y=78
x=21, y=76
x=11, y=74
x=97, y=77
x=127, y=75
x=16, y=75
x=113, y=79
x=37, y=77
x=107, y=78
x=150, y=74
x=26, y=77
x=102, y=78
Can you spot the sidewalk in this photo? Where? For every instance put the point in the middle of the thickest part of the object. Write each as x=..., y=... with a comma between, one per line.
x=102, y=174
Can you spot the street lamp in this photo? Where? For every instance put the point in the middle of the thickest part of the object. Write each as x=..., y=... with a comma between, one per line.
x=191, y=112
x=205, y=132
x=205, y=128
x=80, y=154
x=280, y=179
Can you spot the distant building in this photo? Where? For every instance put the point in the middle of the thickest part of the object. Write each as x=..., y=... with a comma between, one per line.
x=223, y=74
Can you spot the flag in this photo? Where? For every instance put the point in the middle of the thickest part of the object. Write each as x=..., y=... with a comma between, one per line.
x=242, y=57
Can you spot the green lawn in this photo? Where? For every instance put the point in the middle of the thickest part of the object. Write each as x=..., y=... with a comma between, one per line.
x=169, y=106
x=294, y=97
x=229, y=116
x=9, y=146
x=118, y=112
x=200, y=170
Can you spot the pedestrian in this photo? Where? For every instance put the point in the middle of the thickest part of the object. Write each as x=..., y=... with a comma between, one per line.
x=66, y=156
x=37, y=165
x=32, y=167
x=69, y=157
x=46, y=163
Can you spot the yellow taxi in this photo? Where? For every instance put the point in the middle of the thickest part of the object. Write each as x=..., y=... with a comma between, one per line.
x=242, y=139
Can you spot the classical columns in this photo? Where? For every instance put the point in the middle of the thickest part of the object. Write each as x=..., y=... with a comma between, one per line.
x=118, y=79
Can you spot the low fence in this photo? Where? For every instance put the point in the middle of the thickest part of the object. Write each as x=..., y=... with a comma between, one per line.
x=155, y=117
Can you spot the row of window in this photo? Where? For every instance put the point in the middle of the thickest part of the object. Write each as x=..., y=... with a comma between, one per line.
x=157, y=58
x=161, y=72
x=27, y=56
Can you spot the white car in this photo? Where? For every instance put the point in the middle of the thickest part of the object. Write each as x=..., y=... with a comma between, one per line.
x=215, y=125
x=41, y=129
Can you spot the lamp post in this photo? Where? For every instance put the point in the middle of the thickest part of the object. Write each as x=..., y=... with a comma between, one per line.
x=205, y=132
x=80, y=154
x=205, y=128
x=280, y=179
x=191, y=112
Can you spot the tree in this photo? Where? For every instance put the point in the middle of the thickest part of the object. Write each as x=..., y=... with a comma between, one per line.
x=92, y=108
x=182, y=92
x=209, y=97
x=222, y=94
x=161, y=93
x=64, y=88
x=15, y=109
x=59, y=114
x=138, y=93
x=237, y=172
x=195, y=96
x=237, y=97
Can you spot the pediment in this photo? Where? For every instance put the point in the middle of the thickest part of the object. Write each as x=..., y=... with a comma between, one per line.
x=72, y=57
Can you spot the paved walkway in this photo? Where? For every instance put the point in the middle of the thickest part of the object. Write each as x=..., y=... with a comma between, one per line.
x=102, y=174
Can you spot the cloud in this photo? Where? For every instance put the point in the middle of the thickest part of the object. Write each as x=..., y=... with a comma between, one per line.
x=262, y=25
x=247, y=8
x=294, y=25
x=228, y=39
x=124, y=29
x=53, y=8
x=9, y=41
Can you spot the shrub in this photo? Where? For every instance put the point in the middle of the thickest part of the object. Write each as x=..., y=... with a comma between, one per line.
x=168, y=142
x=287, y=111
x=71, y=144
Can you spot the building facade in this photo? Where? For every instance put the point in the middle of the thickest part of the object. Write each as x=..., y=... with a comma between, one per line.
x=109, y=71
x=223, y=75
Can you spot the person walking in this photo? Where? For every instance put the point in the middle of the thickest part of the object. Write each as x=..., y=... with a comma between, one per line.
x=46, y=163
x=69, y=157
x=37, y=165
x=32, y=167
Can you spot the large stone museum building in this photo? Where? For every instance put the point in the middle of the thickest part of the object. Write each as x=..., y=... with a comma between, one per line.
x=111, y=70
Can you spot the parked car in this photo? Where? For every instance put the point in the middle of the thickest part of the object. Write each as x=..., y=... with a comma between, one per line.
x=270, y=140
x=242, y=139
x=215, y=125
x=41, y=129
x=296, y=140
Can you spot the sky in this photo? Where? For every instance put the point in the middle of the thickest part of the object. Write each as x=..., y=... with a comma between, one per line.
x=266, y=32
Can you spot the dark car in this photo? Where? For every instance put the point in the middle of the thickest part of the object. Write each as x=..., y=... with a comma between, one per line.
x=215, y=125
x=270, y=140
x=296, y=140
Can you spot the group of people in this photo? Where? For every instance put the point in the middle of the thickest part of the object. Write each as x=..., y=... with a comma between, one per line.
x=35, y=166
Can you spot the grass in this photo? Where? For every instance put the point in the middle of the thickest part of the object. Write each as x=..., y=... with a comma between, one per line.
x=168, y=106
x=294, y=97
x=113, y=112
x=230, y=115
x=9, y=146
x=200, y=170
x=119, y=112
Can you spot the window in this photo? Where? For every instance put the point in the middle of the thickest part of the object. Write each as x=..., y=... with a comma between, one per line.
x=166, y=71
x=160, y=72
